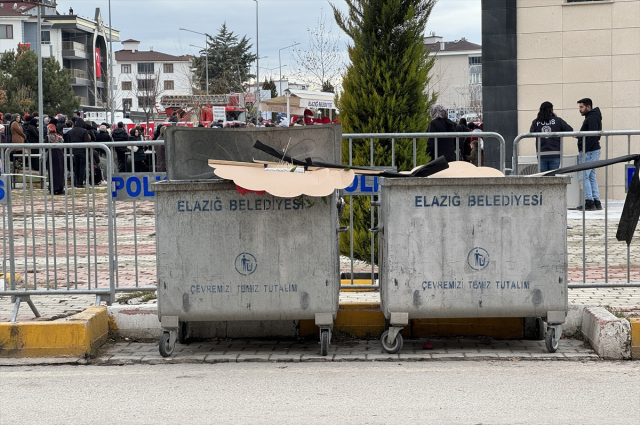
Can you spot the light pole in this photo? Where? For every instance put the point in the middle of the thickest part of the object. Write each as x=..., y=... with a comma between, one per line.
x=257, y=64
x=280, y=63
x=112, y=100
x=206, y=62
x=206, y=41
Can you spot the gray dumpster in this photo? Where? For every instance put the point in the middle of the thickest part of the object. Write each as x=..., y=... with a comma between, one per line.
x=224, y=256
x=473, y=247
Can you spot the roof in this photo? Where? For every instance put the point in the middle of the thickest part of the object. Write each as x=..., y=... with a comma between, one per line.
x=299, y=101
x=453, y=46
x=131, y=40
x=6, y=11
x=148, y=56
x=21, y=6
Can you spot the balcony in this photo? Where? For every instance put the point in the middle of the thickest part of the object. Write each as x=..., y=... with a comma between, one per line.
x=78, y=77
x=84, y=101
x=74, y=50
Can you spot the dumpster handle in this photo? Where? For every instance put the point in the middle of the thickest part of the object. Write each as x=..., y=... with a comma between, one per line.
x=343, y=229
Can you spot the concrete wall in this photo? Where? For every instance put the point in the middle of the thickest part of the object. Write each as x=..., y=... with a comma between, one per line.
x=499, y=84
x=568, y=51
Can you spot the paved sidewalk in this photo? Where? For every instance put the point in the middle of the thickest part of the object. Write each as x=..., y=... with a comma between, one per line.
x=360, y=350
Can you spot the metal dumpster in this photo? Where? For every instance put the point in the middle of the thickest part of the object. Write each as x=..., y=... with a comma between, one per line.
x=471, y=248
x=224, y=256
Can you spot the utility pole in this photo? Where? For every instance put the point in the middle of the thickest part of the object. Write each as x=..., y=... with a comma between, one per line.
x=113, y=114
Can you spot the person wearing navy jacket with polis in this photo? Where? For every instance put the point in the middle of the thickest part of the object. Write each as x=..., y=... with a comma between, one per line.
x=548, y=122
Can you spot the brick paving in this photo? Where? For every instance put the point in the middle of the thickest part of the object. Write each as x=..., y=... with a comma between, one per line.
x=286, y=351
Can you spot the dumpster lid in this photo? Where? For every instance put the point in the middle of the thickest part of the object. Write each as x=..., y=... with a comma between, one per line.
x=283, y=179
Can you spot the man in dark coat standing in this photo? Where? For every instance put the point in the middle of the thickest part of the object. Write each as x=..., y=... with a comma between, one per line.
x=120, y=135
x=592, y=122
x=440, y=123
x=79, y=134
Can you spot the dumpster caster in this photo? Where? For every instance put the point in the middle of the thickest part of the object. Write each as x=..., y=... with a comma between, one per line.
x=392, y=343
x=325, y=339
x=183, y=331
x=167, y=343
x=554, y=332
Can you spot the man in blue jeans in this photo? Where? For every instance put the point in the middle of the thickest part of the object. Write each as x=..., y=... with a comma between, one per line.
x=592, y=122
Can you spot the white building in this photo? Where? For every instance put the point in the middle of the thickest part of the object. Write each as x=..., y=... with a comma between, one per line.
x=78, y=43
x=456, y=76
x=143, y=76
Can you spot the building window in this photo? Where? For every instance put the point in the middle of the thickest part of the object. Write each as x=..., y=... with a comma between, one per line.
x=475, y=78
x=168, y=85
x=168, y=68
x=145, y=68
x=475, y=60
x=145, y=101
x=125, y=69
x=127, y=103
x=126, y=85
x=6, y=31
x=146, y=85
x=45, y=37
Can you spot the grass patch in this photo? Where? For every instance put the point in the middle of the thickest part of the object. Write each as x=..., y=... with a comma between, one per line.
x=618, y=312
x=144, y=296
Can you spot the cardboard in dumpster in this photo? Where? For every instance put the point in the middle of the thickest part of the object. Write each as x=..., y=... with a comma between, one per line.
x=189, y=149
x=284, y=180
x=466, y=169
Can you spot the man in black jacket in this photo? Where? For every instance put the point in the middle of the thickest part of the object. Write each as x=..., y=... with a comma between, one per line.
x=592, y=122
x=440, y=123
x=78, y=134
x=120, y=135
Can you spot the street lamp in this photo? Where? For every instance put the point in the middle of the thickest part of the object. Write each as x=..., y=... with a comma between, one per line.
x=206, y=40
x=257, y=62
x=280, y=63
x=206, y=62
x=111, y=68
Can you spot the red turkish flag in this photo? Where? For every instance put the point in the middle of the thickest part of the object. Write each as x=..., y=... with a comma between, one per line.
x=98, y=70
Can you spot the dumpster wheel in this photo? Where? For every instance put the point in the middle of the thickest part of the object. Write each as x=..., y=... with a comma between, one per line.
x=324, y=342
x=165, y=346
x=551, y=340
x=394, y=347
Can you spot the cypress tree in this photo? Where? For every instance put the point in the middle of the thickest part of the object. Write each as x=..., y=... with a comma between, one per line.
x=384, y=91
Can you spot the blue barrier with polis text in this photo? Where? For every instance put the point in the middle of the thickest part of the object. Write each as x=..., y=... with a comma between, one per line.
x=135, y=186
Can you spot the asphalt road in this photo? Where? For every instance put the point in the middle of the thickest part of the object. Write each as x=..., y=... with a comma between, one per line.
x=465, y=392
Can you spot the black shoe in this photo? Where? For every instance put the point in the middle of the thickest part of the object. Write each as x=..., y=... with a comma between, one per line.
x=589, y=205
x=597, y=204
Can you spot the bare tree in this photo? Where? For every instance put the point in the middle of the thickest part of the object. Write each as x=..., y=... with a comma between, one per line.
x=321, y=64
x=147, y=88
x=472, y=95
x=102, y=95
x=24, y=99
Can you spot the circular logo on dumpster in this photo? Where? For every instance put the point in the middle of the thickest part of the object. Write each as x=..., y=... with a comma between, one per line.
x=246, y=264
x=478, y=258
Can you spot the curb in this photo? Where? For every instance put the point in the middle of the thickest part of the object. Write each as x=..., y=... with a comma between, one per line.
x=635, y=338
x=358, y=320
x=608, y=335
x=77, y=335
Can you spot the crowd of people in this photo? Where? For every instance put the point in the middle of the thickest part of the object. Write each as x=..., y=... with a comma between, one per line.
x=15, y=128
x=465, y=149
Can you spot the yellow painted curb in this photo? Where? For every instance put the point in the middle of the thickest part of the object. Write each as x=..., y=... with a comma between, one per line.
x=356, y=282
x=76, y=336
x=366, y=320
x=635, y=338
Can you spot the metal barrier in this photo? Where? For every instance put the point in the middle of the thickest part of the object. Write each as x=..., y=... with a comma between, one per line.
x=68, y=243
x=583, y=134
x=414, y=136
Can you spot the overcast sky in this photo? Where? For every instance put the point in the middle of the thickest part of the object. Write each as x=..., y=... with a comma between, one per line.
x=281, y=22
